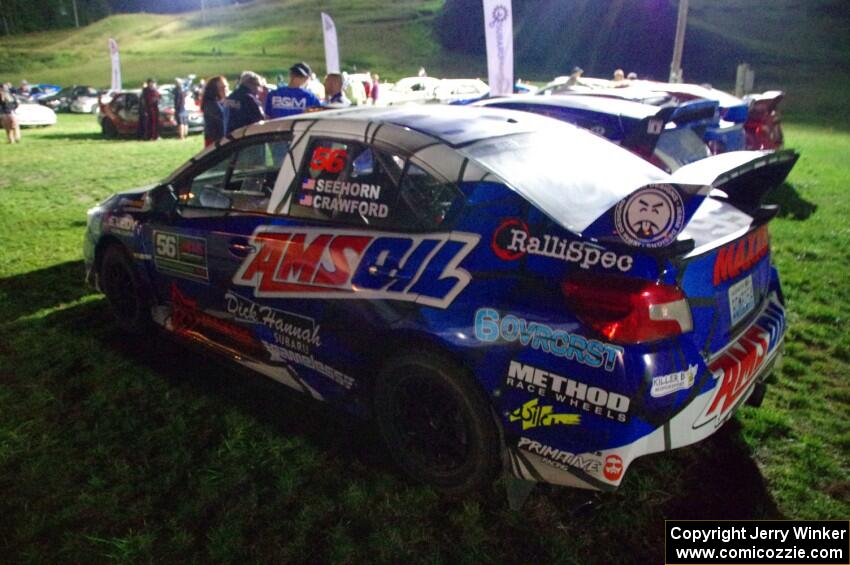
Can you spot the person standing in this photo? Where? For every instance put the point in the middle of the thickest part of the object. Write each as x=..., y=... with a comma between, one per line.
x=376, y=87
x=293, y=98
x=242, y=107
x=150, y=110
x=181, y=116
x=212, y=105
x=8, y=105
x=333, y=90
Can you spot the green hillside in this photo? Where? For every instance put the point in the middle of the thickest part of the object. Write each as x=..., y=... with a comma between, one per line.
x=265, y=36
x=799, y=47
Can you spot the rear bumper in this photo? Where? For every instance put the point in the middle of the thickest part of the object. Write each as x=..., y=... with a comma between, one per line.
x=735, y=372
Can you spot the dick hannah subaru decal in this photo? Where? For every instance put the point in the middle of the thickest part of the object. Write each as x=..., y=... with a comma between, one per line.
x=512, y=240
x=324, y=263
x=492, y=326
x=651, y=217
x=569, y=392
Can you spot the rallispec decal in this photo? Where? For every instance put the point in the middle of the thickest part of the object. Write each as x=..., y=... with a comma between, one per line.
x=740, y=256
x=180, y=255
x=650, y=217
x=668, y=384
x=532, y=416
x=613, y=467
x=290, y=330
x=320, y=263
x=512, y=241
x=592, y=399
x=186, y=317
x=346, y=197
x=490, y=326
x=559, y=458
x=738, y=367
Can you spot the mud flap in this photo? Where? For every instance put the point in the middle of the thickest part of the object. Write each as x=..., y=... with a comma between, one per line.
x=518, y=491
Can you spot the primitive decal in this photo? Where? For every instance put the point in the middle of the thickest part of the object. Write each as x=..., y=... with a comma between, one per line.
x=180, y=255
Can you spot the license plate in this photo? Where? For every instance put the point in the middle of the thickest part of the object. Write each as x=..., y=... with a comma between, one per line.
x=741, y=299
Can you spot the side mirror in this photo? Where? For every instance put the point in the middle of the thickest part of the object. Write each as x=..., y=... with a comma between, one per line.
x=164, y=203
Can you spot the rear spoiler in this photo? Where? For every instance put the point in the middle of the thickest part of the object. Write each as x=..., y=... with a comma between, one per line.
x=644, y=137
x=653, y=216
x=765, y=102
x=746, y=177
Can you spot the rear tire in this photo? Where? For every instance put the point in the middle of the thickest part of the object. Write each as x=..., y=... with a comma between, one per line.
x=436, y=423
x=123, y=288
x=108, y=128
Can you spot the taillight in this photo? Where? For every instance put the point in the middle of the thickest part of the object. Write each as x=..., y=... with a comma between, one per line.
x=628, y=310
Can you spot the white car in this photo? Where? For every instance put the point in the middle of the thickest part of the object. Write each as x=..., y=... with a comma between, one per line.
x=410, y=90
x=31, y=114
x=84, y=105
x=454, y=89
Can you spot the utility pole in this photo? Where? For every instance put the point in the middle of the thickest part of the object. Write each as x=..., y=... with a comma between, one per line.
x=678, y=46
x=76, y=17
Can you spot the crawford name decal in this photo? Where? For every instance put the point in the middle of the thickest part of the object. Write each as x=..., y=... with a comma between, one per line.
x=574, y=394
x=319, y=263
x=512, y=241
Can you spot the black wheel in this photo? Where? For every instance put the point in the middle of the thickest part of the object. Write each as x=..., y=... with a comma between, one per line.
x=436, y=423
x=123, y=289
x=108, y=128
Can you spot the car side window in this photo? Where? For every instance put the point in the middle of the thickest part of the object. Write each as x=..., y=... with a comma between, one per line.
x=347, y=183
x=240, y=180
x=425, y=201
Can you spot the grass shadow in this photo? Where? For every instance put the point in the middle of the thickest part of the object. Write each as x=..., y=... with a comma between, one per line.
x=791, y=204
x=76, y=136
x=25, y=294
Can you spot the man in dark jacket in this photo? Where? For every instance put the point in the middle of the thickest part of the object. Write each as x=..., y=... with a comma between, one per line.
x=243, y=106
x=149, y=111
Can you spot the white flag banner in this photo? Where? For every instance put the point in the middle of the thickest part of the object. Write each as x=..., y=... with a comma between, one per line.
x=331, y=45
x=115, y=86
x=499, y=31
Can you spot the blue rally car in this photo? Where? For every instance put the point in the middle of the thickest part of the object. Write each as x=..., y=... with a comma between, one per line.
x=496, y=289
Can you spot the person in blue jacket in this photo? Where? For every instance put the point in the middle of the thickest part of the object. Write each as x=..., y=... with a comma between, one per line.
x=243, y=107
x=292, y=98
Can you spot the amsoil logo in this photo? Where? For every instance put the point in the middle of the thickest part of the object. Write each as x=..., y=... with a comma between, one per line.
x=740, y=256
x=353, y=264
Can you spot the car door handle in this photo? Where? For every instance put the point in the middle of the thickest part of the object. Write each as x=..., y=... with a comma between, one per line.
x=241, y=247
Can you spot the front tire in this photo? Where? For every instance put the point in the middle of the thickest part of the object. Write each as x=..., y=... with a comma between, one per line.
x=120, y=282
x=437, y=423
x=108, y=128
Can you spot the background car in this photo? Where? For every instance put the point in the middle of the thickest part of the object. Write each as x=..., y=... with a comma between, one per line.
x=119, y=115
x=764, y=121
x=61, y=101
x=409, y=90
x=33, y=114
x=490, y=286
x=668, y=137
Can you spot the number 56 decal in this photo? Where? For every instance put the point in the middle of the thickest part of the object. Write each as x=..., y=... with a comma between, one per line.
x=330, y=160
x=180, y=255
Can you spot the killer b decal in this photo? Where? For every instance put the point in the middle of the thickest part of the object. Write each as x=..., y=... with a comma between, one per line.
x=349, y=264
x=651, y=217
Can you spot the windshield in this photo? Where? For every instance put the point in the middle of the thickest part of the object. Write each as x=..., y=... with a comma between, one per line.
x=569, y=174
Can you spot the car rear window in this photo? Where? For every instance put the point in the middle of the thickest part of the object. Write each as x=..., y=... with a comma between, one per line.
x=569, y=174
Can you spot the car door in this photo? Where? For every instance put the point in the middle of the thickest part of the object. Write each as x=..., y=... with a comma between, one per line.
x=343, y=262
x=222, y=200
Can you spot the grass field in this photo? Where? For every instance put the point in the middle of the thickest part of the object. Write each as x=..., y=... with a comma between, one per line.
x=134, y=450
